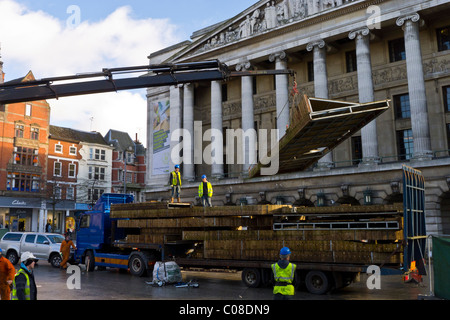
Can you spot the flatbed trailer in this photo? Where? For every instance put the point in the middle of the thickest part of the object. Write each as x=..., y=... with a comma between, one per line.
x=120, y=234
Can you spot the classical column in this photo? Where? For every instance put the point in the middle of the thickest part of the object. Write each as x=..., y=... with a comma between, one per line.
x=321, y=85
x=282, y=92
x=366, y=93
x=416, y=84
x=217, y=124
x=176, y=112
x=247, y=119
x=188, y=125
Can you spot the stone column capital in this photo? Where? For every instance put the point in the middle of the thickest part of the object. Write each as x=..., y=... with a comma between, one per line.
x=278, y=55
x=359, y=33
x=319, y=43
x=243, y=66
x=414, y=17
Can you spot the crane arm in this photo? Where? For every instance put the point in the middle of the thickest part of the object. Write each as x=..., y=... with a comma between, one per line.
x=156, y=75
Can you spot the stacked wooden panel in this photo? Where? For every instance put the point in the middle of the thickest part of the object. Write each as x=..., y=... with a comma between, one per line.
x=246, y=232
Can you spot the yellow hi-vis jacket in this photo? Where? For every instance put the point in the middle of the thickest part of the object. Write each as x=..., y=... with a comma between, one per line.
x=283, y=279
x=176, y=178
x=200, y=190
x=27, y=286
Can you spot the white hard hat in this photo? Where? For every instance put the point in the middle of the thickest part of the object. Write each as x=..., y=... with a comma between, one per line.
x=26, y=256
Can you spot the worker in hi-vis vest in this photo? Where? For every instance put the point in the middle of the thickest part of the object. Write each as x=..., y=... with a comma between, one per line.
x=175, y=183
x=283, y=273
x=24, y=286
x=205, y=192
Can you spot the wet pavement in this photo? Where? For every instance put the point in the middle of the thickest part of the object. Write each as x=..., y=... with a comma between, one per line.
x=111, y=284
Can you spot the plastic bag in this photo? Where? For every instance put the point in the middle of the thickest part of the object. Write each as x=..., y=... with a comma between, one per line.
x=167, y=272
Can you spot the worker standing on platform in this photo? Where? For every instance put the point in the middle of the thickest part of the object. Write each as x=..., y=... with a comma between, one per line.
x=175, y=183
x=7, y=274
x=205, y=192
x=283, y=273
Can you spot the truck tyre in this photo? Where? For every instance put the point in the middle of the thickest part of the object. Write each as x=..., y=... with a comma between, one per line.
x=317, y=282
x=89, y=261
x=55, y=260
x=251, y=277
x=12, y=256
x=137, y=265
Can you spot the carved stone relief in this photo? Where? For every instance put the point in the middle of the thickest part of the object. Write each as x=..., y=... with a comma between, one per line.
x=270, y=15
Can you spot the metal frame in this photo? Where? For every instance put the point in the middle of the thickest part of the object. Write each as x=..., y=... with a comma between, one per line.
x=415, y=234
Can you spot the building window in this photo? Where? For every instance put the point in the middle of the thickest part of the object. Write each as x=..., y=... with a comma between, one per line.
x=405, y=142
x=57, y=169
x=95, y=194
x=25, y=156
x=34, y=133
x=23, y=182
x=97, y=173
x=448, y=135
x=28, y=110
x=58, y=148
x=224, y=92
x=397, y=50
x=446, y=91
x=57, y=191
x=73, y=151
x=72, y=170
x=19, y=131
x=97, y=154
x=70, y=192
x=401, y=106
x=356, y=150
x=350, y=60
x=310, y=71
x=443, y=38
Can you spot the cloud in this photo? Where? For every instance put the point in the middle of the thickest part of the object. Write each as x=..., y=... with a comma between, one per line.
x=37, y=41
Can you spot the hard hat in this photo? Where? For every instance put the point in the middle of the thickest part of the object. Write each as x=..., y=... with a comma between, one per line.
x=26, y=256
x=203, y=177
x=285, y=251
x=177, y=166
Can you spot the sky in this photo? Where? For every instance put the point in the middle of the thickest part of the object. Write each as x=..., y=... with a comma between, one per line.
x=59, y=38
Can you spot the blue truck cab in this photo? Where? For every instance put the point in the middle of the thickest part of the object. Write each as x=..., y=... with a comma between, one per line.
x=96, y=234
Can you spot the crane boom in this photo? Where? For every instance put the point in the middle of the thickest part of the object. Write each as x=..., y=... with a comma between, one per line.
x=156, y=75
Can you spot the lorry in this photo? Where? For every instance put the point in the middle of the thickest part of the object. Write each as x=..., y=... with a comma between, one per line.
x=331, y=245
x=44, y=246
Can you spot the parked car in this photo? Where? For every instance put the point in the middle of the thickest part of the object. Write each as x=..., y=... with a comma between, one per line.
x=44, y=246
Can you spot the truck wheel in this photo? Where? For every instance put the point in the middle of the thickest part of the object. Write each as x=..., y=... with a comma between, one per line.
x=137, y=265
x=55, y=260
x=251, y=277
x=12, y=256
x=317, y=282
x=89, y=261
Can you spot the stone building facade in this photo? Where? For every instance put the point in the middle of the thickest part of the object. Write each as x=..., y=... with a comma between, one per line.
x=357, y=51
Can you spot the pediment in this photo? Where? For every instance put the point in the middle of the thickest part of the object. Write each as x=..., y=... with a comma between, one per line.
x=263, y=17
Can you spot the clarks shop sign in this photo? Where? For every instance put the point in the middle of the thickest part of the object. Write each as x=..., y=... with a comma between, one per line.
x=9, y=202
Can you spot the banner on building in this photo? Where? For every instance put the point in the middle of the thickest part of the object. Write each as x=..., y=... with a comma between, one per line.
x=161, y=137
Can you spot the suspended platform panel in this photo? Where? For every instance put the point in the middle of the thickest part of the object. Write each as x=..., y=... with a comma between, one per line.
x=317, y=127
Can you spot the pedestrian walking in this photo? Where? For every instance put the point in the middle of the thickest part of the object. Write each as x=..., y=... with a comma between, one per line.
x=205, y=192
x=65, y=250
x=175, y=183
x=24, y=284
x=284, y=273
x=7, y=274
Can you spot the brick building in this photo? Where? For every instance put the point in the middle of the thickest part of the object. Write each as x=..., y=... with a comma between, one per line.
x=23, y=160
x=128, y=164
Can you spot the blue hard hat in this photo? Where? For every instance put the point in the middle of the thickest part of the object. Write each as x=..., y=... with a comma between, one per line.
x=177, y=166
x=203, y=177
x=285, y=251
